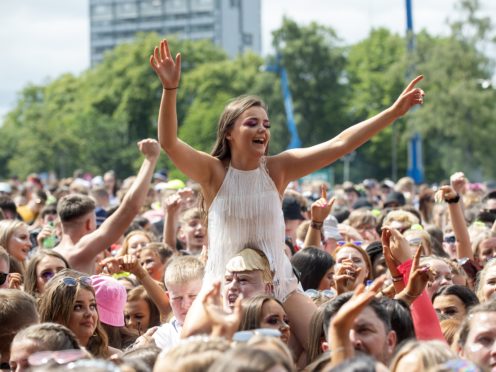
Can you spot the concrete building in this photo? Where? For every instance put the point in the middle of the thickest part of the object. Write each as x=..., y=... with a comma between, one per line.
x=235, y=25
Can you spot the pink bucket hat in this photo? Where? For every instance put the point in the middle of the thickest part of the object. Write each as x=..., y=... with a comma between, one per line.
x=111, y=297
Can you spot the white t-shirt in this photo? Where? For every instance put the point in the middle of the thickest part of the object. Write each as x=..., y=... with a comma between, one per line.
x=168, y=334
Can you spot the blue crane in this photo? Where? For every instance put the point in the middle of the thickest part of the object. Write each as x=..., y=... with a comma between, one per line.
x=279, y=69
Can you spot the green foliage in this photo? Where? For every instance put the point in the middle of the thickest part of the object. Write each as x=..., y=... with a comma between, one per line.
x=376, y=75
x=93, y=121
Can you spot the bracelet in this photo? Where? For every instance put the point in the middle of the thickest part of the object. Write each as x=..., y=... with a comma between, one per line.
x=316, y=225
x=454, y=200
x=412, y=297
x=171, y=88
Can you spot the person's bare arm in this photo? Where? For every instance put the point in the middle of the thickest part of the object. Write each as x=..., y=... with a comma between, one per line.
x=296, y=163
x=157, y=294
x=171, y=208
x=463, y=246
x=197, y=165
x=113, y=227
x=320, y=209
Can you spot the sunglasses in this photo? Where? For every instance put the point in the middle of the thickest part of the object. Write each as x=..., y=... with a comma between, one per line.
x=72, y=282
x=59, y=357
x=357, y=242
x=450, y=239
x=245, y=336
x=314, y=294
x=3, y=278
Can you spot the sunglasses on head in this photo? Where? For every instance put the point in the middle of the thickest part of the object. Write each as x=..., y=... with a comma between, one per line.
x=357, y=242
x=245, y=336
x=59, y=357
x=3, y=277
x=313, y=293
x=72, y=282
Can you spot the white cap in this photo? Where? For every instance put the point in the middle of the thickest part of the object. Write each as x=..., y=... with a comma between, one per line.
x=330, y=228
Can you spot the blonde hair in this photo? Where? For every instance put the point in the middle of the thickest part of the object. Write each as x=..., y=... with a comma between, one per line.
x=7, y=229
x=450, y=328
x=183, y=269
x=428, y=352
x=250, y=259
x=4, y=255
x=361, y=217
x=183, y=355
x=125, y=243
x=422, y=234
x=481, y=279
x=485, y=235
x=402, y=216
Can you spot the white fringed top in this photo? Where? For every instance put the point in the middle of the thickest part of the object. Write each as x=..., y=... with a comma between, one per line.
x=246, y=212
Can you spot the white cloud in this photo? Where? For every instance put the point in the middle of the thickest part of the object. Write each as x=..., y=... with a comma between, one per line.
x=43, y=39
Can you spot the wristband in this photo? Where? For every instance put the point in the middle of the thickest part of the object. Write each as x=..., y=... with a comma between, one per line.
x=171, y=88
x=316, y=225
x=454, y=200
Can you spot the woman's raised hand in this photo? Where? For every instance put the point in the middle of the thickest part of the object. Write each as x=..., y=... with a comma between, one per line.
x=395, y=245
x=410, y=97
x=167, y=69
x=321, y=207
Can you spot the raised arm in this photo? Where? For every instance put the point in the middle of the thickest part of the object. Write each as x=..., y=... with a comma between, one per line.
x=297, y=163
x=195, y=164
x=113, y=227
x=463, y=246
x=320, y=210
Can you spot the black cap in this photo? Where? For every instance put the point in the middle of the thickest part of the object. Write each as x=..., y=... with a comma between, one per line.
x=395, y=197
x=362, y=202
x=291, y=209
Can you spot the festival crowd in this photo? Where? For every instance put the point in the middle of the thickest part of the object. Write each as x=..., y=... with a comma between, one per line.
x=243, y=267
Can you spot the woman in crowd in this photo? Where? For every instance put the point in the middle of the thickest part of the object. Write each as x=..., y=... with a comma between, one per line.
x=454, y=301
x=134, y=242
x=486, y=282
x=42, y=337
x=315, y=268
x=241, y=185
x=14, y=237
x=353, y=267
x=140, y=311
x=41, y=268
x=264, y=311
x=69, y=299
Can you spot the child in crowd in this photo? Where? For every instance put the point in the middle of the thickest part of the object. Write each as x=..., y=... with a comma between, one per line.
x=183, y=280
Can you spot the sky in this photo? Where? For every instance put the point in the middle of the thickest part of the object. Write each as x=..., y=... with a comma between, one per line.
x=42, y=39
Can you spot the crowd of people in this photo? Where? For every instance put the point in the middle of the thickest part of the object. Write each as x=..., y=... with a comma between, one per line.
x=242, y=268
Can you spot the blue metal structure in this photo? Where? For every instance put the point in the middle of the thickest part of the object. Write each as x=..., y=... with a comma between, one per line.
x=415, y=164
x=279, y=69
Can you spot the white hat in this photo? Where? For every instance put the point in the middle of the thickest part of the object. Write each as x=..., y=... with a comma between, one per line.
x=330, y=228
x=5, y=187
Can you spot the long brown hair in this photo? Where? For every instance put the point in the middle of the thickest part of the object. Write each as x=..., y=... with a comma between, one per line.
x=56, y=306
x=221, y=149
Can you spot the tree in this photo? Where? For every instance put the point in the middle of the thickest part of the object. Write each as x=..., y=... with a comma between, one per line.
x=459, y=115
x=376, y=75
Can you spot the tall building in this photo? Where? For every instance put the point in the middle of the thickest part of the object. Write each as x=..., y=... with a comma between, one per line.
x=234, y=25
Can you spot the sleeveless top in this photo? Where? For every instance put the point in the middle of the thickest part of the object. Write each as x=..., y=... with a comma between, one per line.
x=247, y=212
